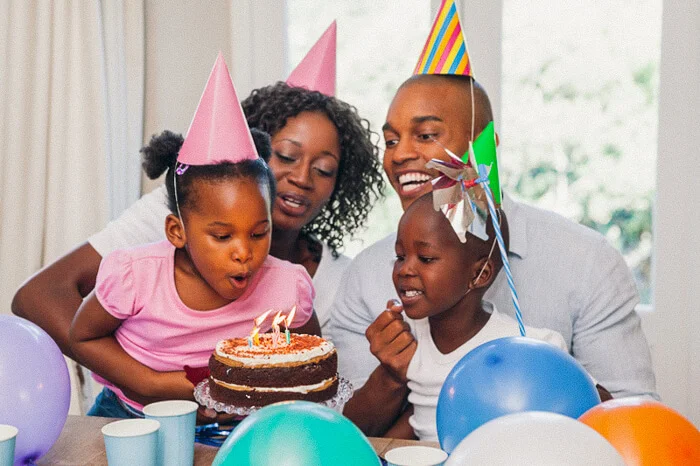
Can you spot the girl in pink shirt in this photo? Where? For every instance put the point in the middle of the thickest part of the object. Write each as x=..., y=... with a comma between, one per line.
x=162, y=306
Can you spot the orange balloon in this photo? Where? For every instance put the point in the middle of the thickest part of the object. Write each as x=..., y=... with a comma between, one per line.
x=646, y=432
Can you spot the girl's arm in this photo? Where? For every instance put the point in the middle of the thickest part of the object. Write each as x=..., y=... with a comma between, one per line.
x=92, y=341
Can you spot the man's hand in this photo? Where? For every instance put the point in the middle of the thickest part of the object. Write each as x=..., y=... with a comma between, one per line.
x=391, y=341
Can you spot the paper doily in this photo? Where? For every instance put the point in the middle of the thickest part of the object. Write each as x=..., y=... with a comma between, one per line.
x=203, y=397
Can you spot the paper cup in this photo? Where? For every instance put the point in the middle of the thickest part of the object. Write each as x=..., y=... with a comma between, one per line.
x=176, y=435
x=417, y=455
x=8, y=436
x=131, y=442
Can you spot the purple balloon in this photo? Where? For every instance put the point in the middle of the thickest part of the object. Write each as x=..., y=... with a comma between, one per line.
x=34, y=387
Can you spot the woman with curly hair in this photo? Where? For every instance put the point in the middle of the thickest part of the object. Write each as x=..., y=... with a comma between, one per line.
x=328, y=177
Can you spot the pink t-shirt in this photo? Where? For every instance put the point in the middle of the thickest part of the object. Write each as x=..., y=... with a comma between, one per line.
x=137, y=285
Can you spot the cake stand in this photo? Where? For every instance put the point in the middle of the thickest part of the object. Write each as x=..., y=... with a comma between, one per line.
x=203, y=397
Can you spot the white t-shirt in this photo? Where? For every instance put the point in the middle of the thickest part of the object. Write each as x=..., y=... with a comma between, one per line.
x=429, y=368
x=144, y=222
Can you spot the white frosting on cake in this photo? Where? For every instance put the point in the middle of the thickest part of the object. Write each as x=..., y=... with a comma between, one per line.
x=298, y=389
x=261, y=355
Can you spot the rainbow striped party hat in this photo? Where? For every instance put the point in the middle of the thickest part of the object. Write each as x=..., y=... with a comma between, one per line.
x=445, y=51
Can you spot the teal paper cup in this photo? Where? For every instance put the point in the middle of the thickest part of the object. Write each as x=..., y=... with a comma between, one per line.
x=8, y=435
x=176, y=435
x=132, y=442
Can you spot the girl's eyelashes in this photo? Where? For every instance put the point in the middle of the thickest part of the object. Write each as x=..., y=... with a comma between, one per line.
x=221, y=237
x=261, y=232
x=260, y=235
x=427, y=259
x=399, y=258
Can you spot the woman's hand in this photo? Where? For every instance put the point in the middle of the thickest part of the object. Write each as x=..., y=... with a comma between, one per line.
x=391, y=341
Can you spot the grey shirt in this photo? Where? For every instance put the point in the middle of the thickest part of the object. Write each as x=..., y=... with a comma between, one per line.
x=568, y=277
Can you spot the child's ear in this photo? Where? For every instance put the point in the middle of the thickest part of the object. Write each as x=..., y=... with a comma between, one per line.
x=482, y=271
x=174, y=231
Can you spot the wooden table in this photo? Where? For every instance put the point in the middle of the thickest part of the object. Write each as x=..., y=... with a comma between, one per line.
x=81, y=443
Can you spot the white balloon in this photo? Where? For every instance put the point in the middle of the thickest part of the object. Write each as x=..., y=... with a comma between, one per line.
x=534, y=437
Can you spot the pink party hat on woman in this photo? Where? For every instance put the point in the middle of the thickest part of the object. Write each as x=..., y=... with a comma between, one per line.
x=316, y=71
x=219, y=131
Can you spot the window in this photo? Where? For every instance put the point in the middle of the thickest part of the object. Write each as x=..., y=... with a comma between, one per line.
x=378, y=45
x=580, y=116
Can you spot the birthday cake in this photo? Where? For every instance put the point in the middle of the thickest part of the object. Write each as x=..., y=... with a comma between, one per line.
x=272, y=369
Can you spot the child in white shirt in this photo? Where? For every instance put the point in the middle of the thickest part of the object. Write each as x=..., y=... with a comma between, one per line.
x=441, y=283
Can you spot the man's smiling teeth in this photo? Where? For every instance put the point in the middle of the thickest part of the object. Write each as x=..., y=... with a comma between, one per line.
x=412, y=293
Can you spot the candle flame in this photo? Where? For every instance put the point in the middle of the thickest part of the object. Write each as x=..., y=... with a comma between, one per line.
x=261, y=318
x=290, y=317
x=256, y=328
x=279, y=318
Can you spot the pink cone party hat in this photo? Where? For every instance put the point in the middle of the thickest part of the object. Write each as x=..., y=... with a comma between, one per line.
x=445, y=51
x=219, y=131
x=316, y=71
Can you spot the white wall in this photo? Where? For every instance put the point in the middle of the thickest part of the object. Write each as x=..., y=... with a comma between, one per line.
x=673, y=327
x=182, y=41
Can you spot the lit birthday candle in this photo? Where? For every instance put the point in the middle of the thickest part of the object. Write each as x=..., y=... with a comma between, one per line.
x=288, y=322
x=276, y=328
x=254, y=334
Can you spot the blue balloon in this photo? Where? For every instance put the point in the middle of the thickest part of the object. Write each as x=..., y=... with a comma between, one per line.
x=510, y=375
x=296, y=433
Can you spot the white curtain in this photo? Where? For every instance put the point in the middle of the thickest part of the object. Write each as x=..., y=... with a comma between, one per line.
x=71, y=99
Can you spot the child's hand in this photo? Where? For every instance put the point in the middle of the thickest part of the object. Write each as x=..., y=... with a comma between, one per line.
x=391, y=341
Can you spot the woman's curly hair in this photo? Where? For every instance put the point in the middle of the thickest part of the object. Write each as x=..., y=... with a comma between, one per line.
x=359, y=183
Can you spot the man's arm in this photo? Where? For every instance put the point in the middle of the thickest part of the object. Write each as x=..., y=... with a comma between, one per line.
x=350, y=318
x=51, y=297
x=402, y=428
x=607, y=332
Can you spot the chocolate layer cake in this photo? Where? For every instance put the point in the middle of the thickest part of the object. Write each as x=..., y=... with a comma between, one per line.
x=243, y=375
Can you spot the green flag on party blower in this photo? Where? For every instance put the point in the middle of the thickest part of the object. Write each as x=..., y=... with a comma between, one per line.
x=484, y=147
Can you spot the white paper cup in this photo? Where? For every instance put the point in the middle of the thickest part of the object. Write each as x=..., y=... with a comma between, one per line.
x=416, y=455
x=176, y=435
x=8, y=436
x=131, y=442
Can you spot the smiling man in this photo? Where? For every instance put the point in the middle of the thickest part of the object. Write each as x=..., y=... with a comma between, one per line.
x=417, y=118
x=569, y=278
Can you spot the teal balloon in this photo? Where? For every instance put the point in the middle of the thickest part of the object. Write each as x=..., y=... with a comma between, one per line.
x=296, y=433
